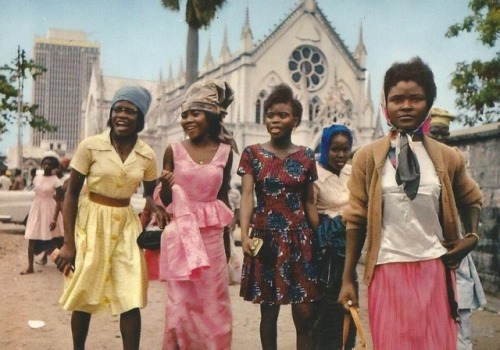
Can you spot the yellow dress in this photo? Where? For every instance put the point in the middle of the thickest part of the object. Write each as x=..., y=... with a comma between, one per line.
x=110, y=270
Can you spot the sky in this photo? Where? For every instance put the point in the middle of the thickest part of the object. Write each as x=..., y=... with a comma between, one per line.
x=139, y=38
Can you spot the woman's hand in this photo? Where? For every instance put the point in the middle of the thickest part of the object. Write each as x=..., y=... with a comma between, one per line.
x=348, y=296
x=65, y=260
x=162, y=217
x=457, y=250
x=246, y=244
x=52, y=225
x=167, y=178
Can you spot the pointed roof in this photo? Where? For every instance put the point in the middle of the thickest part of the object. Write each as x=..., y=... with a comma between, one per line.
x=225, y=54
x=246, y=34
x=310, y=7
x=209, y=61
x=360, y=53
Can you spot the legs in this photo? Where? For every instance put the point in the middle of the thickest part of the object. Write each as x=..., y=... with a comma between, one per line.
x=31, y=257
x=80, y=328
x=269, y=326
x=130, y=328
x=303, y=318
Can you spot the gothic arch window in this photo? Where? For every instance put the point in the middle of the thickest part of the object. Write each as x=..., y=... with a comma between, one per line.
x=307, y=64
x=314, y=107
x=259, y=107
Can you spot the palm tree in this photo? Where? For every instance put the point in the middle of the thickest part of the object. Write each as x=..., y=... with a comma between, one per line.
x=199, y=13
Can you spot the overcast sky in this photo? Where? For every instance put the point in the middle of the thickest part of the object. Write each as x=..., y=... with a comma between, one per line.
x=139, y=38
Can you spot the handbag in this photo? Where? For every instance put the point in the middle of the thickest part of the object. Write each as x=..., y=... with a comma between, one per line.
x=150, y=238
x=357, y=322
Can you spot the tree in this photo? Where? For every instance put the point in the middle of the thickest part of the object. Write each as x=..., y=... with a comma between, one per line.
x=12, y=106
x=478, y=83
x=199, y=14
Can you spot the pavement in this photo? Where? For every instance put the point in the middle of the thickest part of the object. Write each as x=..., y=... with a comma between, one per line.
x=14, y=334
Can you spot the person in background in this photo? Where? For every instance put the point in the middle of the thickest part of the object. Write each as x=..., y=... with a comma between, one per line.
x=101, y=228
x=31, y=186
x=195, y=180
x=331, y=196
x=5, y=181
x=469, y=289
x=234, y=263
x=405, y=191
x=284, y=271
x=44, y=227
x=19, y=182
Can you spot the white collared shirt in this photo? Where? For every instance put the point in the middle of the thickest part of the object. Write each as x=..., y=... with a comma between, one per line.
x=410, y=228
x=331, y=194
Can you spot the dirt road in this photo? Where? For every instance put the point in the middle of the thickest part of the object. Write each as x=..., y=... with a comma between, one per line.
x=35, y=297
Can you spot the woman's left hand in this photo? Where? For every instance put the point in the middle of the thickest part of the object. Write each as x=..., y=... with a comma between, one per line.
x=52, y=225
x=457, y=250
x=162, y=217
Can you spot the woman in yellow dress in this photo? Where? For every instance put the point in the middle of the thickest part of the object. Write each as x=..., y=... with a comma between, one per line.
x=101, y=228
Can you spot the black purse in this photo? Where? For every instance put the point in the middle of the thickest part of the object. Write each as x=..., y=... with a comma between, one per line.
x=150, y=238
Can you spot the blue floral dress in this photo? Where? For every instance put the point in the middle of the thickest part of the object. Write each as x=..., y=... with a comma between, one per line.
x=284, y=271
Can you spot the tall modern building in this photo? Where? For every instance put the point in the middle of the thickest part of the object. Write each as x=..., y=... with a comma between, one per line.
x=60, y=91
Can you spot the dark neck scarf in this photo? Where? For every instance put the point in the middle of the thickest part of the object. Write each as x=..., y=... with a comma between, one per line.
x=407, y=169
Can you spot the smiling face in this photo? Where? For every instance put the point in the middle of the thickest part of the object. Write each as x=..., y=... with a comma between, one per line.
x=279, y=120
x=195, y=124
x=407, y=106
x=339, y=152
x=124, y=116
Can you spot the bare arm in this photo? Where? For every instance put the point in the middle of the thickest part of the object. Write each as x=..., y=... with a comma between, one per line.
x=167, y=176
x=310, y=207
x=67, y=254
x=355, y=239
x=224, y=189
x=246, y=210
x=58, y=198
x=160, y=213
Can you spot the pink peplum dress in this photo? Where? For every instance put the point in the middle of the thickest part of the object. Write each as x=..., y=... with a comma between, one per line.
x=198, y=310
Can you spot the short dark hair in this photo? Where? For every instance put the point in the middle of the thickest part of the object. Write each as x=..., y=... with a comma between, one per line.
x=413, y=70
x=283, y=93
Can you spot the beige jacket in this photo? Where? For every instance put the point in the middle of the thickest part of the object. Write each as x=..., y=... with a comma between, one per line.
x=458, y=192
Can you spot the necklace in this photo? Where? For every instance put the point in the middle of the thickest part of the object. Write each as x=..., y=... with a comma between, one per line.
x=117, y=149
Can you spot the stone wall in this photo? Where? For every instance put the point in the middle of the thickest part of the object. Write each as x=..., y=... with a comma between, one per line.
x=481, y=146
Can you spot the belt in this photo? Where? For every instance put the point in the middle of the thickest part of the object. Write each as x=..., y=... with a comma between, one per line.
x=108, y=201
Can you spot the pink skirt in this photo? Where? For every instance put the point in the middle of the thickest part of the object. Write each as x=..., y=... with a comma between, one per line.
x=408, y=307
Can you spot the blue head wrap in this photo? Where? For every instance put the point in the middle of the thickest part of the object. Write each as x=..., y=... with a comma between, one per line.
x=326, y=140
x=137, y=95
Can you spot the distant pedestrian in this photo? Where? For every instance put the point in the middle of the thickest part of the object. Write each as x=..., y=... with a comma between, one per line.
x=44, y=227
x=469, y=289
x=19, y=182
x=5, y=181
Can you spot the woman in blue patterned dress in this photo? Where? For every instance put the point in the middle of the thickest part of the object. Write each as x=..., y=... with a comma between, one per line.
x=284, y=270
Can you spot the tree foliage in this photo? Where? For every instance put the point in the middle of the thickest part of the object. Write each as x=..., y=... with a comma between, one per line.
x=477, y=83
x=11, y=82
x=199, y=14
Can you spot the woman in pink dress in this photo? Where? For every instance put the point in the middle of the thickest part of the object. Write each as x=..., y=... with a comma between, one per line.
x=44, y=222
x=195, y=182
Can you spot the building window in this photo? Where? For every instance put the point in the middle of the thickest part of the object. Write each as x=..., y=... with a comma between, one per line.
x=307, y=64
x=259, y=107
x=314, y=107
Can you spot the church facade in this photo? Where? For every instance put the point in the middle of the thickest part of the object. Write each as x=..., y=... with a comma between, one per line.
x=303, y=51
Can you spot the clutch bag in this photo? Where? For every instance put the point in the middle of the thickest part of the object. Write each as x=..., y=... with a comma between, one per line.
x=256, y=245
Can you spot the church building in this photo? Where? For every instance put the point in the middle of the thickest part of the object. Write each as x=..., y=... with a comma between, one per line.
x=303, y=51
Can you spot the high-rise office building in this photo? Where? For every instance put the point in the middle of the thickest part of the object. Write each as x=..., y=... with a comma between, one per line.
x=59, y=92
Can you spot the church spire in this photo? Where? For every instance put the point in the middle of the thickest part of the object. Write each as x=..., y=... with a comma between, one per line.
x=246, y=34
x=360, y=53
x=225, y=54
x=209, y=61
x=181, y=76
x=309, y=5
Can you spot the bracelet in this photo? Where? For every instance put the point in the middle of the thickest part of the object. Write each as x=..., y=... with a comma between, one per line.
x=472, y=234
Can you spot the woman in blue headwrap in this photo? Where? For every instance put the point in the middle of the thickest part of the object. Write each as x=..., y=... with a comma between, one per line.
x=331, y=197
x=101, y=228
